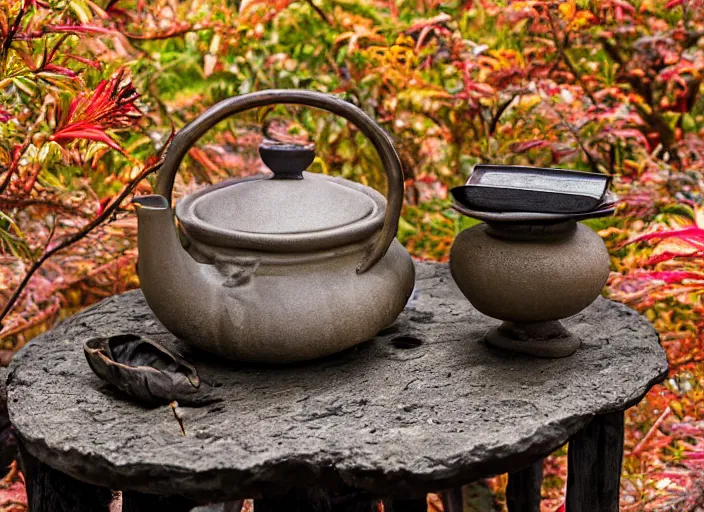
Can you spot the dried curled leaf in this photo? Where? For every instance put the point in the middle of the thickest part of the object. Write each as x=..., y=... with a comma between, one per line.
x=145, y=370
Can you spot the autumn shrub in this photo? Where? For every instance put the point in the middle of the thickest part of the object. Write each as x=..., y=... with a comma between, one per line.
x=92, y=90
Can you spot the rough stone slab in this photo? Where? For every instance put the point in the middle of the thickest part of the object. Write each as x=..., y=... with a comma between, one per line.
x=382, y=417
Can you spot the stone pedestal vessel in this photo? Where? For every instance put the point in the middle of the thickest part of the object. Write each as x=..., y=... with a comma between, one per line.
x=530, y=269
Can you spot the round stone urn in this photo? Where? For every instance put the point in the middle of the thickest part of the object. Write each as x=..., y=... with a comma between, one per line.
x=530, y=275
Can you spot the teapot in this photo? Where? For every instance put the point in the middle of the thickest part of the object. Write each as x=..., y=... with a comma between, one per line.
x=279, y=268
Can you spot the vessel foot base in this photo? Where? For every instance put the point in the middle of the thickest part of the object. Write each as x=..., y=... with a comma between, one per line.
x=540, y=339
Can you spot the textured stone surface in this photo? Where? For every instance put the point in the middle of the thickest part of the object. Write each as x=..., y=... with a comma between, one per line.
x=390, y=416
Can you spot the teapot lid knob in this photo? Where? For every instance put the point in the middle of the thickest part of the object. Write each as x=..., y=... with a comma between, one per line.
x=287, y=161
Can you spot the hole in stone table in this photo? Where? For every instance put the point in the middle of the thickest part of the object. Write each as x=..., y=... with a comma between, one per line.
x=405, y=342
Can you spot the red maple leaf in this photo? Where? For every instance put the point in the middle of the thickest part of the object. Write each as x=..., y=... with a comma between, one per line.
x=111, y=106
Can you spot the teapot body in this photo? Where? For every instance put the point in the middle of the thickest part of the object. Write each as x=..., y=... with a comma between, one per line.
x=280, y=309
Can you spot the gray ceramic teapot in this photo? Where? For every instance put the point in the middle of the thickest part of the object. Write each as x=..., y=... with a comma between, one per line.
x=277, y=268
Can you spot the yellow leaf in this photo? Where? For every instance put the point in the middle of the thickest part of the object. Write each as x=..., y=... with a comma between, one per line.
x=81, y=11
x=215, y=44
x=568, y=9
x=519, y=6
x=405, y=40
x=527, y=102
x=648, y=6
x=24, y=84
x=583, y=19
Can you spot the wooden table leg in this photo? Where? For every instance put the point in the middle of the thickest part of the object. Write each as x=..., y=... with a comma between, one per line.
x=49, y=490
x=452, y=500
x=138, y=502
x=594, y=462
x=316, y=500
x=233, y=506
x=414, y=505
x=523, y=489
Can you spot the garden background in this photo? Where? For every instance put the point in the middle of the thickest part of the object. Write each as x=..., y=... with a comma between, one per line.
x=92, y=90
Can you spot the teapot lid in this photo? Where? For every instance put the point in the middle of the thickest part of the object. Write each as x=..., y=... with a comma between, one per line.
x=291, y=211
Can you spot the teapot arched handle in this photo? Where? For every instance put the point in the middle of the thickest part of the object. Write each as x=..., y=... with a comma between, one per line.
x=190, y=134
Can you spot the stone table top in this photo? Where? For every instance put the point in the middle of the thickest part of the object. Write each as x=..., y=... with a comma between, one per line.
x=425, y=405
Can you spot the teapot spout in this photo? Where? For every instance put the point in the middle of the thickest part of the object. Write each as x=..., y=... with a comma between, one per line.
x=173, y=283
